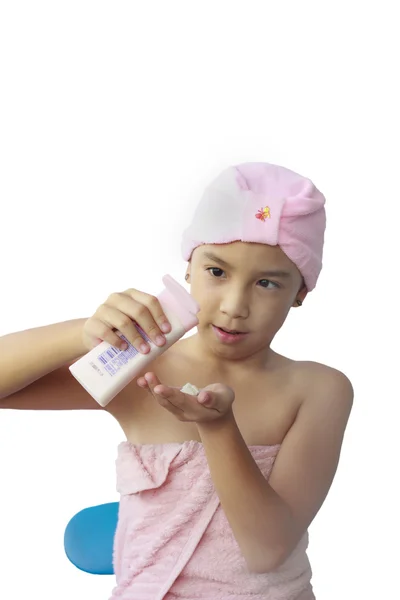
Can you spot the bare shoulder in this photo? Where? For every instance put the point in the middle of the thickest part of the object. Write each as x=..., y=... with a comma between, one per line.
x=322, y=374
x=323, y=386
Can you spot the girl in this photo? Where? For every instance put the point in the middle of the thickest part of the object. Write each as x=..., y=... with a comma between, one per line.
x=217, y=490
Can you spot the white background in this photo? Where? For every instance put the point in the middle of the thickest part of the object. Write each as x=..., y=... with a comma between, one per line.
x=114, y=116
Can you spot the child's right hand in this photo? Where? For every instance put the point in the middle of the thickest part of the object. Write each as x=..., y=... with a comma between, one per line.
x=118, y=313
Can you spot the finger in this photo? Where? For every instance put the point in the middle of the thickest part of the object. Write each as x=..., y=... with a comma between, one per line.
x=165, y=391
x=141, y=382
x=170, y=406
x=154, y=307
x=167, y=396
x=135, y=312
x=115, y=319
x=206, y=399
x=103, y=331
x=154, y=386
x=151, y=380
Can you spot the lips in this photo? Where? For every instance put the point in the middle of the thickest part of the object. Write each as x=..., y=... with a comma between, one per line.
x=227, y=337
x=231, y=331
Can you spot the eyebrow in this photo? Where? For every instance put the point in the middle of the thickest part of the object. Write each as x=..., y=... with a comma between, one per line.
x=267, y=273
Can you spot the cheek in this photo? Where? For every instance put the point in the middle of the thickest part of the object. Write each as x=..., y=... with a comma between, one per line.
x=279, y=315
x=205, y=294
x=272, y=313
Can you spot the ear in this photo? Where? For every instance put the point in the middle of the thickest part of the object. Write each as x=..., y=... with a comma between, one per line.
x=187, y=276
x=301, y=295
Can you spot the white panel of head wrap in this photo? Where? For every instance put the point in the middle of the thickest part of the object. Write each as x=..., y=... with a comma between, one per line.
x=220, y=211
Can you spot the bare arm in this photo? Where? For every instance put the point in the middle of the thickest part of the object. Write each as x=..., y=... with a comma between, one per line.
x=34, y=364
x=269, y=518
x=34, y=370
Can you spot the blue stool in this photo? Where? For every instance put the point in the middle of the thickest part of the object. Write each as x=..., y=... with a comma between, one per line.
x=89, y=538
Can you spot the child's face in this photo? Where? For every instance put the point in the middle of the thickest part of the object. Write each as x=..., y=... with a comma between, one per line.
x=244, y=287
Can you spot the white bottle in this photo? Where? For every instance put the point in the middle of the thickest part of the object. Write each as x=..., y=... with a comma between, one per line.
x=106, y=370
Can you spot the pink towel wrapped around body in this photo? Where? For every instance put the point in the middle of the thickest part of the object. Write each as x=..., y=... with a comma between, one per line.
x=173, y=540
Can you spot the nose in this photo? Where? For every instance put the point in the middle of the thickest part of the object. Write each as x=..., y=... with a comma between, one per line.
x=235, y=304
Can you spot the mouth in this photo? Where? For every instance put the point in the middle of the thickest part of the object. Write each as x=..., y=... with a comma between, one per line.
x=228, y=335
x=231, y=331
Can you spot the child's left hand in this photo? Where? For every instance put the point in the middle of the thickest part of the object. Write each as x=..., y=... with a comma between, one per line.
x=213, y=402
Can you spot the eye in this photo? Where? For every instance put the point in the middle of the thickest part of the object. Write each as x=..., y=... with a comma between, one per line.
x=215, y=271
x=264, y=283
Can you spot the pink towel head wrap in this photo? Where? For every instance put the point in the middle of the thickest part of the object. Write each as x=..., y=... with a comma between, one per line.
x=266, y=204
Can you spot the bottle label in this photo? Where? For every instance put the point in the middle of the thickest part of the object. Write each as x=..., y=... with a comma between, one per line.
x=113, y=359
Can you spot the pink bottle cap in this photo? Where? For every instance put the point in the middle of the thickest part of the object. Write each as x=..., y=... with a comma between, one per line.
x=179, y=301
